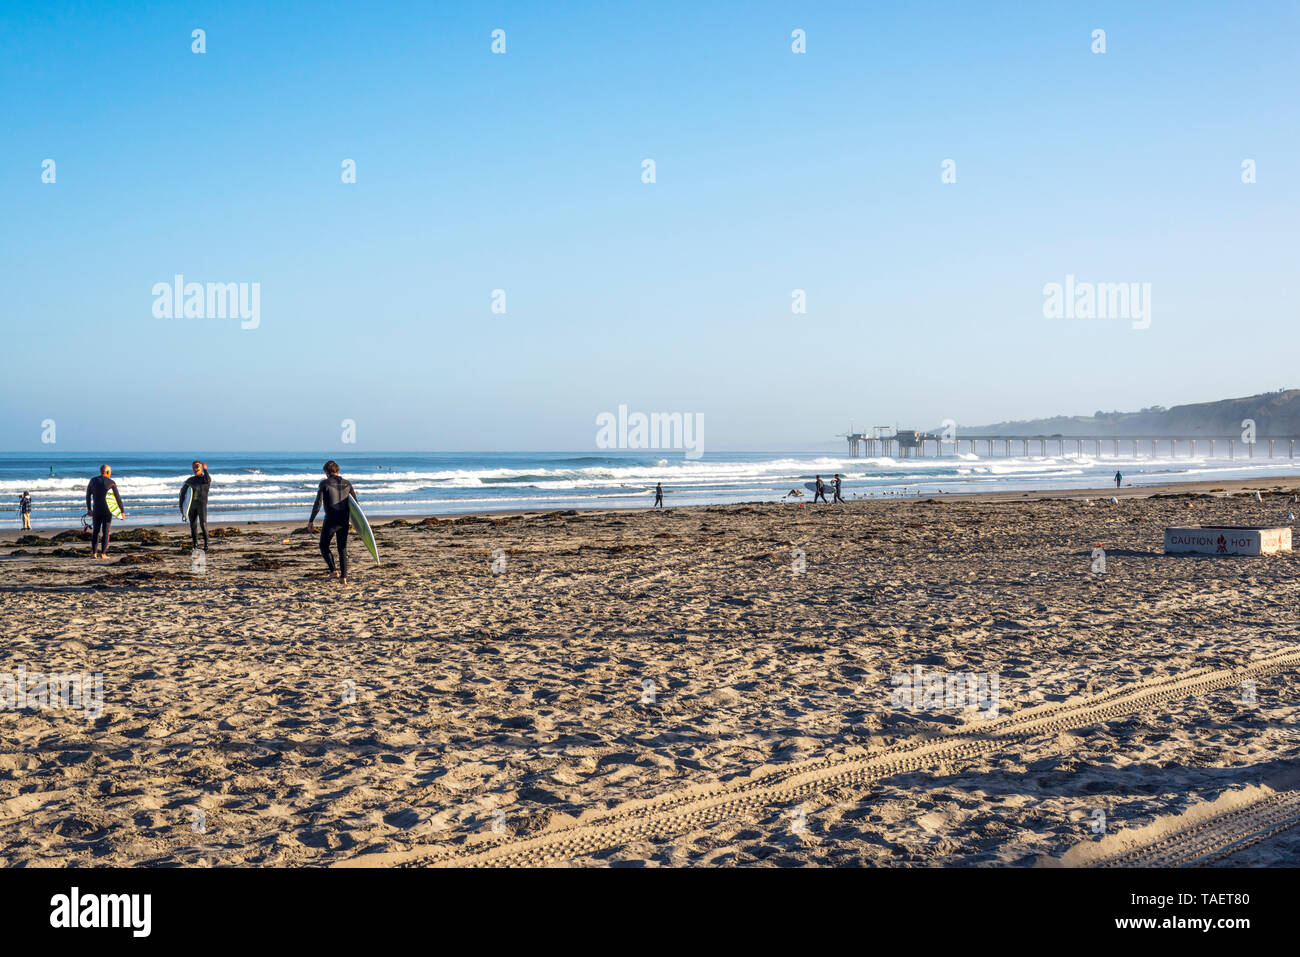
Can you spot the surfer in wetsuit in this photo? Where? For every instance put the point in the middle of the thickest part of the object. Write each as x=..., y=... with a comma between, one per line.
x=198, y=483
x=838, y=488
x=1118, y=478
x=97, y=491
x=659, y=495
x=821, y=491
x=333, y=493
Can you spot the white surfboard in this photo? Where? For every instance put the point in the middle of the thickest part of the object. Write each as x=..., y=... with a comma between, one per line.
x=362, y=527
x=827, y=487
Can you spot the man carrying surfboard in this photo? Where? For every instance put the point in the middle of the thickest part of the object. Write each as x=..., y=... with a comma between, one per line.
x=333, y=492
x=820, y=490
x=194, y=503
x=103, y=503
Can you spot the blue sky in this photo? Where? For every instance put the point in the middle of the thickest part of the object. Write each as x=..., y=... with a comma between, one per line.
x=775, y=171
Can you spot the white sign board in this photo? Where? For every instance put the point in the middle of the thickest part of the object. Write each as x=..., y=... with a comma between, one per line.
x=1227, y=540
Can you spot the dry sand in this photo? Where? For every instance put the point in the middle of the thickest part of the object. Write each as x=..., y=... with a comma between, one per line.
x=509, y=716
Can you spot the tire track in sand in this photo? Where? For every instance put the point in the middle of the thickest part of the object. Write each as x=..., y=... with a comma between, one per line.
x=694, y=807
x=1203, y=835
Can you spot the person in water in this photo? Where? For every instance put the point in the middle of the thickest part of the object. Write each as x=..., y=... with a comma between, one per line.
x=1118, y=478
x=25, y=507
x=198, y=483
x=839, y=487
x=821, y=491
x=98, y=490
x=333, y=493
x=659, y=495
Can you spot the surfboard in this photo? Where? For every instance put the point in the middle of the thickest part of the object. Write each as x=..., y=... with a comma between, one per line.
x=187, y=502
x=111, y=501
x=827, y=487
x=362, y=528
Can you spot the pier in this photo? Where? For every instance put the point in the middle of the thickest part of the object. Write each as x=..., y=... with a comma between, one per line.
x=909, y=443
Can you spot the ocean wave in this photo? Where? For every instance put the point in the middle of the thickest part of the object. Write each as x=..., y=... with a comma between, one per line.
x=548, y=482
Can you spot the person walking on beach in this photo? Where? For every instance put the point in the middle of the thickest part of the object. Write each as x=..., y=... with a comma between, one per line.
x=25, y=506
x=98, y=490
x=839, y=487
x=1118, y=478
x=659, y=495
x=198, y=484
x=333, y=493
x=820, y=491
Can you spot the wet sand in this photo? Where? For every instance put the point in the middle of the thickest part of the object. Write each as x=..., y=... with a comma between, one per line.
x=662, y=688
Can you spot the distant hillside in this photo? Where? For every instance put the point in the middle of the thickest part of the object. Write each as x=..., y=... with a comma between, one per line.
x=1275, y=414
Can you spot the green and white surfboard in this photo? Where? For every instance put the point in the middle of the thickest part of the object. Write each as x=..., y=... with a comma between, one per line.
x=362, y=528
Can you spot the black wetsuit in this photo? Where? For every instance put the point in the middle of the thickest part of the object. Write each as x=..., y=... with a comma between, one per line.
x=838, y=497
x=333, y=494
x=1118, y=479
x=97, y=492
x=198, y=507
x=659, y=497
x=821, y=492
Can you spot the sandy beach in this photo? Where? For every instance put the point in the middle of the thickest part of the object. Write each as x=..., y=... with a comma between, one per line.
x=697, y=686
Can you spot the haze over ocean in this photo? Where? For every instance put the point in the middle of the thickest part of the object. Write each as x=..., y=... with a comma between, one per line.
x=778, y=173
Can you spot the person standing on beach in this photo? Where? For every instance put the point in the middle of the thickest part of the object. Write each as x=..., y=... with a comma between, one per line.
x=98, y=490
x=25, y=506
x=659, y=495
x=1118, y=478
x=199, y=483
x=333, y=493
x=839, y=487
x=821, y=491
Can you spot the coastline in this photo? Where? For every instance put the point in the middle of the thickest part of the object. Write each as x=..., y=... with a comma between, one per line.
x=280, y=487
x=1220, y=488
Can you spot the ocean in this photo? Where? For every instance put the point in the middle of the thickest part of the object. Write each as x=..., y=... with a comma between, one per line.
x=281, y=485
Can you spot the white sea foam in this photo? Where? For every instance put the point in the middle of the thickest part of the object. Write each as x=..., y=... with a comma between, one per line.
x=244, y=490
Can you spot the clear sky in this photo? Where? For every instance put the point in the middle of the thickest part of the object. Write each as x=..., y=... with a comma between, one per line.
x=522, y=171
